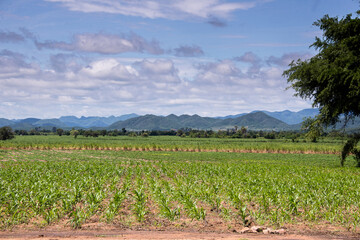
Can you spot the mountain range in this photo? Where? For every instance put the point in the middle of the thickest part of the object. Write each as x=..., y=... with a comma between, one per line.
x=286, y=116
x=65, y=122
x=253, y=121
x=257, y=120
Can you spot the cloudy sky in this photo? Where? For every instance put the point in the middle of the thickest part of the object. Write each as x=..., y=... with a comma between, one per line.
x=113, y=57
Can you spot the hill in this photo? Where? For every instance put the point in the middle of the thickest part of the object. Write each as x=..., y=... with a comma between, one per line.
x=253, y=121
x=286, y=116
x=88, y=122
x=49, y=123
x=257, y=120
x=293, y=117
x=148, y=122
x=5, y=122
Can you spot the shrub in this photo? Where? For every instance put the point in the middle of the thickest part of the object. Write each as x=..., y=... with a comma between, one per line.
x=6, y=133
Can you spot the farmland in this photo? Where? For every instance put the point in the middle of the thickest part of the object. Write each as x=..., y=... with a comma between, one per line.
x=45, y=181
x=173, y=143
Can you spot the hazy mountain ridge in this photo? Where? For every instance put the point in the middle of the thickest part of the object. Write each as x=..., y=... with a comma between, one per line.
x=152, y=122
x=256, y=120
x=253, y=121
x=286, y=116
x=65, y=122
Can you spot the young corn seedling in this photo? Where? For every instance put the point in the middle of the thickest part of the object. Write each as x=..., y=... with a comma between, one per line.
x=51, y=215
x=77, y=218
x=140, y=204
x=166, y=210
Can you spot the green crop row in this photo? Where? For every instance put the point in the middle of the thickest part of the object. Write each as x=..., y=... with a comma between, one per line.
x=121, y=187
x=171, y=143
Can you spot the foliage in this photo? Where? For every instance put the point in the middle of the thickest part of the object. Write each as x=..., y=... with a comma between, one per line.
x=175, y=188
x=174, y=143
x=331, y=78
x=74, y=133
x=6, y=133
x=60, y=131
x=350, y=148
x=313, y=128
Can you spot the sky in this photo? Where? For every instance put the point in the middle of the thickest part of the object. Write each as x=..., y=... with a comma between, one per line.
x=115, y=57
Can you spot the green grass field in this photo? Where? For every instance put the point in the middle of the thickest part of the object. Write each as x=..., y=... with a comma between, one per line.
x=162, y=188
x=171, y=143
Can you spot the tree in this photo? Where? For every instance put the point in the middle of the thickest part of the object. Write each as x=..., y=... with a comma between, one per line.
x=331, y=79
x=74, y=133
x=313, y=128
x=350, y=147
x=60, y=131
x=6, y=133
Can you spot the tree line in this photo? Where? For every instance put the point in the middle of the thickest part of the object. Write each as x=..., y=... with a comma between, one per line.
x=236, y=132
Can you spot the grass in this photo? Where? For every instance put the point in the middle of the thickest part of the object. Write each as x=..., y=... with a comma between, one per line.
x=45, y=187
x=171, y=143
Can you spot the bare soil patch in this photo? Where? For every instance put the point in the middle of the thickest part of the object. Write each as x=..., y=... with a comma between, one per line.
x=111, y=234
x=112, y=231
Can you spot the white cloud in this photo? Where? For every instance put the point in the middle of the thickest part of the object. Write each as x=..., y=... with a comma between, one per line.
x=114, y=86
x=105, y=44
x=109, y=69
x=174, y=9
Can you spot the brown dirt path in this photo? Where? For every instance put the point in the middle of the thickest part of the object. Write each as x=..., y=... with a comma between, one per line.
x=181, y=235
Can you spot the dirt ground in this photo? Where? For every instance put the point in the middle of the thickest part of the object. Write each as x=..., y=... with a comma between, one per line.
x=137, y=235
x=190, y=230
x=109, y=233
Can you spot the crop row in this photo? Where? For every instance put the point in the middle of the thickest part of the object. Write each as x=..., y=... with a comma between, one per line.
x=83, y=186
x=78, y=187
x=170, y=143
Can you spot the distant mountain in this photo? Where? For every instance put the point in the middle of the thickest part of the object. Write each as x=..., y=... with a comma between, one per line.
x=65, y=122
x=124, y=117
x=88, y=122
x=286, y=116
x=257, y=120
x=5, y=122
x=351, y=125
x=49, y=123
x=293, y=117
x=22, y=126
x=152, y=122
x=253, y=121
x=231, y=116
x=28, y=120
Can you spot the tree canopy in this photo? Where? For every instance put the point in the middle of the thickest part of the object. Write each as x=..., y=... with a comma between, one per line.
x=6, y=133
x=331, y=79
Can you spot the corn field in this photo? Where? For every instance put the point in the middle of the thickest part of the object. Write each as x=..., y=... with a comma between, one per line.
x=152, y=188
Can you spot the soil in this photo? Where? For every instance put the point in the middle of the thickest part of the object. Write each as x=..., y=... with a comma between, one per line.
x=110, y=232
x=132, y=234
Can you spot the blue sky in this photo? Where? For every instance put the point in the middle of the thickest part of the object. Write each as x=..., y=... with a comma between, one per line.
x=113, y=57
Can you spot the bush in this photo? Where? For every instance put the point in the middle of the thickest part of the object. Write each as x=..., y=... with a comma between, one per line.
x=6, y=133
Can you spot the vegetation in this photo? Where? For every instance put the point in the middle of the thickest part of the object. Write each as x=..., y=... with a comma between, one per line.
x=134, y=142
x=175, y=188
x=6, y=133
x=351, y=148
x=331, y=78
